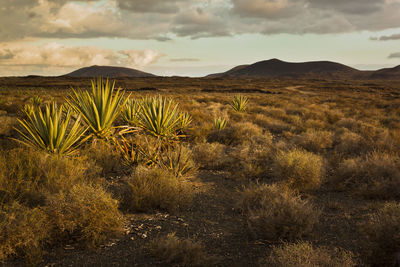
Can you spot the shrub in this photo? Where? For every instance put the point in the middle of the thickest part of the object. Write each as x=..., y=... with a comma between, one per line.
x=236, y=134
x=7, y=124
x=315, y=141
x=299, y=169
x=252, y=159
x=178, y=160
x=105, y=156
x=100, y=108
x=211, y=156
x=180, y=252
x=85, y=211
x=276, y=213
x=382, y=232
x=27, y=175
x=304, y=254
x=23, y=232
x=349, y=143
x=376, y=175
x=51, y=131
x=155, y=189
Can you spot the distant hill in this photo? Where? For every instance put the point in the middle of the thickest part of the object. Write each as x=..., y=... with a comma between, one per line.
x=108, y=71
x=277, y=68
x=229, y=72
x=387, y=74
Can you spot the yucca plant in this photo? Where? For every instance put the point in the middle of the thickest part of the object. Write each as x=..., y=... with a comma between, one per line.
x=159, y=116
x=219, y=123
x=130, y=112
x=36, y=101
x=239, y=103
x=185, y=121
x=51, y=131
x=100, y=108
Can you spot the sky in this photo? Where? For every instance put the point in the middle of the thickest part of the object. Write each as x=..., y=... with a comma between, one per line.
x=194, y=37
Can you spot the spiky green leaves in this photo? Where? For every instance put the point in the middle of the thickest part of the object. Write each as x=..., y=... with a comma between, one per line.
x=100, y=108
x=51, y=130
x=239, y=103
x=219, y=123
x=130, y=112
x=159, y=116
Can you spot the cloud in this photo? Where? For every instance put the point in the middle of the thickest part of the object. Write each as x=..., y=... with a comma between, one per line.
x=54, y=55
x=394, y=55
x=150, y=6
x=164, y=19
x=386, y=37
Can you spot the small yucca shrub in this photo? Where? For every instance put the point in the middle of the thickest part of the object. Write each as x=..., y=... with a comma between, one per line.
x=100, y=108
x=219, y=123
x=159, y=117
x=130, y=112
x=185, y=121
x=50, y=130
x=239, y=103
x=36, y=101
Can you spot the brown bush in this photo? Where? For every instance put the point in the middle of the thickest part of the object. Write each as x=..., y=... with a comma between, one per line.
x=274, y=212
x=299, y=169
x=150, y=189
x=87, y=212
x=28, y=175
x=23, y=232
x=315, y=141
x=105, y=156
x=382, y=232
x=179, y=252
x=304, y=254
x=7, y=124
x=235, y=134
x=376, y=175
x=211, y=156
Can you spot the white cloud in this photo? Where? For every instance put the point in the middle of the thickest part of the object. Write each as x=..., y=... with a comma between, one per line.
x=62, y=57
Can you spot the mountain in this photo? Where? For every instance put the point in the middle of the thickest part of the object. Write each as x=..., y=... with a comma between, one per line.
x=277, y=68
x=108, y=71
x=229, y=72
x=387, y=74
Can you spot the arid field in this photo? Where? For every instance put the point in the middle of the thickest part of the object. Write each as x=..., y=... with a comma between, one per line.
x=199, y=172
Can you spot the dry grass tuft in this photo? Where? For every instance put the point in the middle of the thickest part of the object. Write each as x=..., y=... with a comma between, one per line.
x=179, y=252
x=299, y=169
x=150, y=189
x=23, y=232
x=277, y=213
x=87, y=212
x=376, y=175
x=304, y=254
x=382, y=231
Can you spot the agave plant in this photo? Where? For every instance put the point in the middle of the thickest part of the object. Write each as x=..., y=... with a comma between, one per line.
x=130, y=112
x=49, y=130
x=159, y=116
x=219, y=123
x=100, y=108
x=239, y=103
x=185, y=121
x=36, y=101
